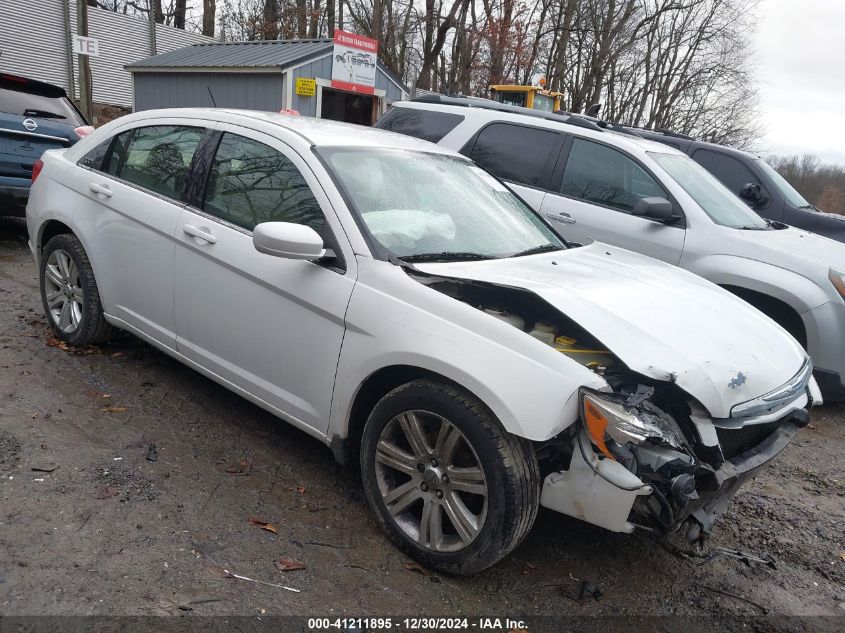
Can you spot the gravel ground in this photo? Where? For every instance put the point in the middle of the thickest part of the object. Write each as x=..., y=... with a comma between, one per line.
x=90, y=525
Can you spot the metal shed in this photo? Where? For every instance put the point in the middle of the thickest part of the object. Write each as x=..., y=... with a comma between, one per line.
x=259, y=75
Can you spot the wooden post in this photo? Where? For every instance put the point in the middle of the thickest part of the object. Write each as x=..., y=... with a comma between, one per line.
x=85, y=90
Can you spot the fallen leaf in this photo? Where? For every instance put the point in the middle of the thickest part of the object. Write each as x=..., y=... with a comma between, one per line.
x=300, y=489
x=416, y=567
x=264, y=525
x=107, y=492
x=288, y=564
x=811, y=426
x=842, y=556
x=112, y=409
x=117, y=354
x=52, y=341
x=241, y=468
x=35, y=415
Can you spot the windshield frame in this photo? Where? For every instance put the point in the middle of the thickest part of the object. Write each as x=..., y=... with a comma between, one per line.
x=379, y=251
x=756, y=222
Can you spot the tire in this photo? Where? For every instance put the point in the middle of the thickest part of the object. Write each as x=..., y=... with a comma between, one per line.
x=492, y=524
x=66, y=279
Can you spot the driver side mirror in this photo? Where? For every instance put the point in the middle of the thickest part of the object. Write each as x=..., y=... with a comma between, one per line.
x=655, y=208
x=755, y=195
x=288, y=240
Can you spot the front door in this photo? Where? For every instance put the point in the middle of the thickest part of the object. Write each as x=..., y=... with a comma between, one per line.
x=268, y=325
x=598, y=189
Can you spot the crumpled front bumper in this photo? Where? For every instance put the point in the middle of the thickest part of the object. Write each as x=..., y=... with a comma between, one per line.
x=733, y=473
x=604, y=492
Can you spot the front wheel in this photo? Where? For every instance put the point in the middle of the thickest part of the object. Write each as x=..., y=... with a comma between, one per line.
x=451, y=487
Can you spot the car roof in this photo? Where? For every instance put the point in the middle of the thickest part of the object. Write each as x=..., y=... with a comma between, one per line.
x=479, y=112
x=316, y=132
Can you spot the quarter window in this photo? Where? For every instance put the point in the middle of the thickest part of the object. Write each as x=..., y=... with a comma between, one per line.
x=424, y=124
x=156, y=158
x=250, y=183
x=94, y=158
x=514, y=152
x=601, y=175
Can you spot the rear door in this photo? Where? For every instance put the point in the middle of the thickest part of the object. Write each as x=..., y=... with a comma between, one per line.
x=597, y=186
x=270, y=326
x=136, y=189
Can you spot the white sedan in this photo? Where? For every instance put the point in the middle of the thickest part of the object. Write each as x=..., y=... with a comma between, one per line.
x=394, y=300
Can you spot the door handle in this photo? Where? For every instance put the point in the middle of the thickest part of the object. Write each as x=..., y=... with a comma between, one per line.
x=200, y=234
x=563, y=218
x=100, y=190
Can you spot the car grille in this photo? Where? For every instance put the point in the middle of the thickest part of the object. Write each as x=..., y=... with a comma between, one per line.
x=737, y=441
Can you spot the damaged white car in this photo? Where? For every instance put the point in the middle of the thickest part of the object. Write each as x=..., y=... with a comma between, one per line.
x=394, y=300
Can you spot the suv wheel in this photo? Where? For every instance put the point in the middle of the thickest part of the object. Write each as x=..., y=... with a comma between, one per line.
x=69, y=293
x=450, y=486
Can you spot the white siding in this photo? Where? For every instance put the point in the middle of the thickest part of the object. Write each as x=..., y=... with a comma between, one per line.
x=33, y=43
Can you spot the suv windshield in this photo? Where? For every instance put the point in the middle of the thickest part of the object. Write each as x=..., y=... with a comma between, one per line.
x=433, y=207
x=718, y=201
x=792, y=197
x=38, y=106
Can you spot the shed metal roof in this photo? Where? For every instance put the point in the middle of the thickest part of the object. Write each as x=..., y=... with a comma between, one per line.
x=263, y=54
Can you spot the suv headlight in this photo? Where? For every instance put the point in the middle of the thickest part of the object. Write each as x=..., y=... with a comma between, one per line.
x=606, y=419
x=838, y=280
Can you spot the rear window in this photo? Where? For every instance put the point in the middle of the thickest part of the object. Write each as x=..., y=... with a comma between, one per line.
x=429, y=126
x=38, y=106
x=514, y=152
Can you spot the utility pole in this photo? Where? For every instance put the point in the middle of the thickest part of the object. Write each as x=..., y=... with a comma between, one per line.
x=84, y=68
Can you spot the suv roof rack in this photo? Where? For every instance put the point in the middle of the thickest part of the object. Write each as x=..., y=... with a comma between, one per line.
x=488, y=104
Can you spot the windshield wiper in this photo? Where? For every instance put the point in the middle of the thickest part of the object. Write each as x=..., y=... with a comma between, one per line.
x=46, y=114
x=545, y=248
x=445, y=256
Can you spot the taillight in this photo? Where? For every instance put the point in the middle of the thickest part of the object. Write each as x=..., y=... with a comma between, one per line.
x=83, y=130
x=36, y=169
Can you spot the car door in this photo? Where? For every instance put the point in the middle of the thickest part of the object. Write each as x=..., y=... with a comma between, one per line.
x=521, y=155
x=271, y=326
x=136, y=185
x=595, y=188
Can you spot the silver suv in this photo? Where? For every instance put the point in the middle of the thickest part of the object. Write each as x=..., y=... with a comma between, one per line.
x=598, y=184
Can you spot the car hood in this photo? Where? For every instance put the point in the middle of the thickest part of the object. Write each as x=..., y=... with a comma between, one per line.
x=659, y=320
x=801, y=247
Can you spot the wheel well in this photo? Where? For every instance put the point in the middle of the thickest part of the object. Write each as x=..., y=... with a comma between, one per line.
x=51, y=229
x=779, y=311
x=373, y=389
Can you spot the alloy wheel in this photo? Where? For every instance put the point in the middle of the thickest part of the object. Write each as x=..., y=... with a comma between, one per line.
x=431, y=481
x=63, y=291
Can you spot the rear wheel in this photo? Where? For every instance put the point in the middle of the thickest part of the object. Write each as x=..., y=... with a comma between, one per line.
x=450, y=486
x=69, y=293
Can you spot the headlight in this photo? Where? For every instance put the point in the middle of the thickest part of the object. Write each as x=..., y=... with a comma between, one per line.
x=606, y=419
x=838, y=281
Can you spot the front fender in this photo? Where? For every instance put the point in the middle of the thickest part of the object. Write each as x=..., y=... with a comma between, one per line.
x=393, y=320
x=795, y=290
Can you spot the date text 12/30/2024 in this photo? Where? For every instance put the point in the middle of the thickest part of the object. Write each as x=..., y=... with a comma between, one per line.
x=417, y=624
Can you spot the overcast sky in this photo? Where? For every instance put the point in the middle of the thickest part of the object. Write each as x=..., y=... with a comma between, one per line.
x=800, y=57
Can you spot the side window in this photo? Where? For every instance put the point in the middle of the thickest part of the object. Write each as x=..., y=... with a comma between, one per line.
x=118, y=153
x=514, y=152
x=730, y=171
x=94, y=158
x=602, y=175
x=156, y=157
x=424, y=124
x=250, y=183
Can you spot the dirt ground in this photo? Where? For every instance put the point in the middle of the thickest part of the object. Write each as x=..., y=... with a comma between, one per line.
x=90, y=525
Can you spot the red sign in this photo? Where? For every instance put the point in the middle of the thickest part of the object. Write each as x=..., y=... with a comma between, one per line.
x=354, y=62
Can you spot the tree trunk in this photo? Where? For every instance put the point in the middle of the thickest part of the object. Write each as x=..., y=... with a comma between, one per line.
x=179, y=11
x=330, y=16
x=209, y=8
x=378, y=18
